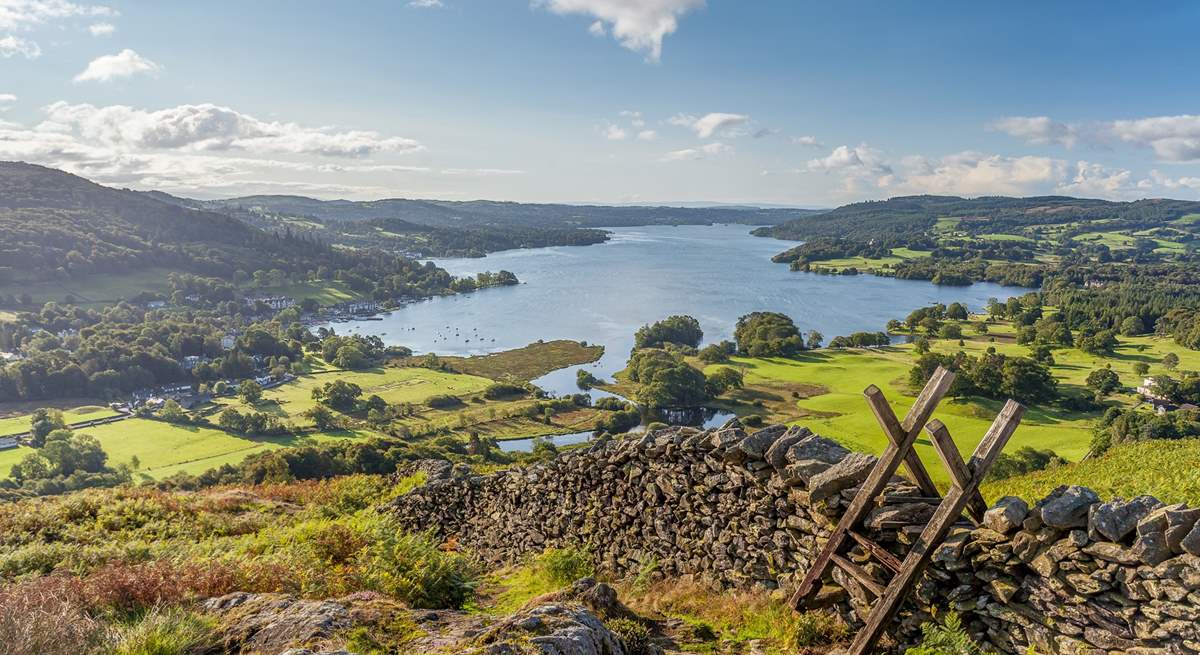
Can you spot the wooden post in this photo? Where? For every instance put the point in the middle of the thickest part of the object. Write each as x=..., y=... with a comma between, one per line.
x=963, y=495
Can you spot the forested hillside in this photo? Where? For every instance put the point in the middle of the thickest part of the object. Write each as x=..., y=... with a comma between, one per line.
x=910, y=217
x=54, y=225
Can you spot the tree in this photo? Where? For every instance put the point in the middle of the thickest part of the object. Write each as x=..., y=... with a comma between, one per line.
x=321, y=417
x=42, y=423
x=950, y=331
x=813, y=340
x=1132, y=326
x=716, y=353
x=767, y=334
x=171, y=412
x=678, y=329
x=723, y=379
x=957, y=311
x=1141, y=368
x=250, y=392
x=1170, y=361
x=665, y=380
x=350, y=358
x=1103, y=381
x=339, y=394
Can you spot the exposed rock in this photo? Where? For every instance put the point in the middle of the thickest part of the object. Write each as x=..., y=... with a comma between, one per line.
x=1070, y=508
x=1115, y=519
x=271, y=623
x=555, y=629
x=815, y=447
x=847, y=473
x=1006, y=515
x=1180, y=521
x=777, y=454
x=756, y=445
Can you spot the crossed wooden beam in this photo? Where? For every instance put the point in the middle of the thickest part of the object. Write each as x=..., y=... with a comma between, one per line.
x=963, y=495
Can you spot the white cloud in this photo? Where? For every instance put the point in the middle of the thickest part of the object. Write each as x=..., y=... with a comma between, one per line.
x=102, y=29
x=639, y=25
x=709, y=124
x=861, y=159
x=157, y=155
x=977, y=174
x=26, y=14
x=807, y=141
x=615, y=133
x=11, y=46
x=703, y=152
x=211, y=127
x=868, y=172
x=1097, y=181
x=1172, y=138
x=635, y=117
x=1175, y=183
x=1038, y=130
x=426, y=4
x=647, y=135
x=6, y=98
x=125, y=63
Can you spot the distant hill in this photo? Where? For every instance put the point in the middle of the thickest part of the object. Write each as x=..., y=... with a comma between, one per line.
x=54, y=225
x=912, y=216
x=444, y=213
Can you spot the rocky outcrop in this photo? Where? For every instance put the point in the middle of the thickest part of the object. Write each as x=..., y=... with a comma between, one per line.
x=570, y=622
x=750, y=509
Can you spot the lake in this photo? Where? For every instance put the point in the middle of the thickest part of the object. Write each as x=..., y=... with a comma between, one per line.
x=602, y=293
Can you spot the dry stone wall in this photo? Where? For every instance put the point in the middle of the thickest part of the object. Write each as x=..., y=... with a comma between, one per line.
x=735, y=508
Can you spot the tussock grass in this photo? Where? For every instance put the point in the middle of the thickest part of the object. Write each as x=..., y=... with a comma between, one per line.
x=738, y=616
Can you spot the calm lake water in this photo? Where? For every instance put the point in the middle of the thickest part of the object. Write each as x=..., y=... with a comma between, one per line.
x=601, y=294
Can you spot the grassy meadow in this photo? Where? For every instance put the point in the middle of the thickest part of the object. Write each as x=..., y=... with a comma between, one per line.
x=823, y=390
x=93, y=289
x=18, y=423
x=163, y=449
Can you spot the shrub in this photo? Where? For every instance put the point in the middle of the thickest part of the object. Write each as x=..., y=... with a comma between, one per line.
x=442, y=401
x=413, y=569
x=563, y=566
x=634, y=635
x=946, y=638
x=501, y=390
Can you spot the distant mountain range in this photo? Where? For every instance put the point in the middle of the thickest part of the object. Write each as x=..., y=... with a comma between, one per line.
x=445, y=213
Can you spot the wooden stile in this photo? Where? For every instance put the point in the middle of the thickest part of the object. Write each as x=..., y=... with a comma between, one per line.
x=963, y=496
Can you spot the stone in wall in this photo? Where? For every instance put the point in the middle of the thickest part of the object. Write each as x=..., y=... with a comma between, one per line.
x=740, y=508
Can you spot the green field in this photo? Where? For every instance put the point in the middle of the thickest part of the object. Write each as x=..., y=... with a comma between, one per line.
x=864, y=263
x=325, y=292
x=1005, y=237
x=393, y=384
x=1164, y=469
x=823, y=389
x=94, y=289
x=525, y=363
x=164, y=449
x=19, y=424
x=842, y=413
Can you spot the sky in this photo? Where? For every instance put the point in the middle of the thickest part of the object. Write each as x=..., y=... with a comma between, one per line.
x=608, y=101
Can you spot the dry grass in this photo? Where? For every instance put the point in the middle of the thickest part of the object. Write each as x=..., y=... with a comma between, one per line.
x=737, y=616
x=47, y=617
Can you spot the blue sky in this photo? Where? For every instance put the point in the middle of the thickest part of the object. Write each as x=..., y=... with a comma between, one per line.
x=766, y=101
